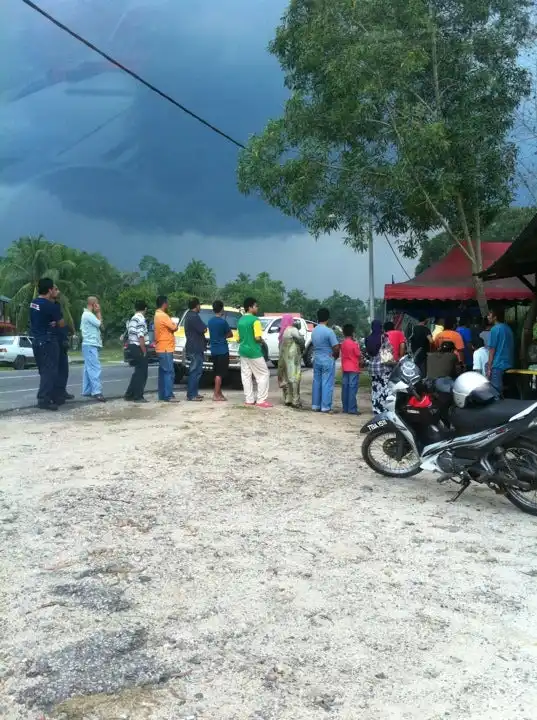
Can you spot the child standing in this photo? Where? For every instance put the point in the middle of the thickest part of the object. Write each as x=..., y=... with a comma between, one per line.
x=481, y=357
x=350, y=365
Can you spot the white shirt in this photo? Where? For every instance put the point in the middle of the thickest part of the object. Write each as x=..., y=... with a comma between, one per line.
x=137, y=328
x=481, y=358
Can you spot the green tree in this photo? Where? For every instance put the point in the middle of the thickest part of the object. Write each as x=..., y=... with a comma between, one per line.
x=269, y=293
x=433, y=250
x=344, y=309
x=198, y=280
x=118, y=313
x=160, y=275
x=235, y=292
x=399, y=114
x=26, y=261
x=505, y=227
x=298, y=301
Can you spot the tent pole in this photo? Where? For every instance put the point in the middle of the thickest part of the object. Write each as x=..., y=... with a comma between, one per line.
x=371, y=273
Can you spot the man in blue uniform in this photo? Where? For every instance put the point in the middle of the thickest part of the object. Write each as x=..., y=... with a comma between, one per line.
x=44, y=322
x=61, y=394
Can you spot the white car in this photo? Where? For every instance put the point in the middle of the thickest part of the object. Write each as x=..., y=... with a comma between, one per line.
x=271, y=330
x=16, y=350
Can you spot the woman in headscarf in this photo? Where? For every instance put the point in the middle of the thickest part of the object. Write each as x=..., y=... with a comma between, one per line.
x=292, y=346
x=378, y=369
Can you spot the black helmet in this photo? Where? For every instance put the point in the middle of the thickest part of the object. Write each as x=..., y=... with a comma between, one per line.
x=447, y=346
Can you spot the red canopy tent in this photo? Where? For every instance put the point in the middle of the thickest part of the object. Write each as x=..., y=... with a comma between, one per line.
x=450, y=279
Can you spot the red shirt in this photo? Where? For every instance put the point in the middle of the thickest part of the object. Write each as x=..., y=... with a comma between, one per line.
x=350, y=356
x=396, y=337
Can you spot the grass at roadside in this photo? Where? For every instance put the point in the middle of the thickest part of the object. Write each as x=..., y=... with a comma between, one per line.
x=365, y=379
x=113, y=354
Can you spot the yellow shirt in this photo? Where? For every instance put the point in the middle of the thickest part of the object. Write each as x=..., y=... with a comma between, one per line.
x=164, y=330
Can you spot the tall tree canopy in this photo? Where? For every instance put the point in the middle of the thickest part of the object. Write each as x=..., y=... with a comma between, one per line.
x=400, y=112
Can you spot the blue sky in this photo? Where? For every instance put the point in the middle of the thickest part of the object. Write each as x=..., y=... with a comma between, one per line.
x=92, y=159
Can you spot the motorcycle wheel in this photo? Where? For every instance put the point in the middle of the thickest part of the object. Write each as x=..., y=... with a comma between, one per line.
x=385, y=441
x=523, y=452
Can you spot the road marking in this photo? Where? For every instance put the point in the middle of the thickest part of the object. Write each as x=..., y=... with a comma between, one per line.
x=34, y=390
x=9, y=376
x=18, y=377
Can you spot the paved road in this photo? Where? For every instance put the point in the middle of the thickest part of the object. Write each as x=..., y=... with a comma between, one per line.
x=18, y=389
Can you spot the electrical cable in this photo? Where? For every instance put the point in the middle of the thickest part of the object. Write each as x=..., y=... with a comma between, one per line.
x=89, y=134
x=146, y=83
x=133, y=74
x=396, y=256
x=162, y=94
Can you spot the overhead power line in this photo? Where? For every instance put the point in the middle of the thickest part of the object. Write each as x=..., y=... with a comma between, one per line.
x=396, y=256
x=157, y=91
x=133, y=74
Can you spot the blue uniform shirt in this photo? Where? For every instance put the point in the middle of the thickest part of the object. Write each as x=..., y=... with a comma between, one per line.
x=43, y=312
x=62, y=333
x=218, y=330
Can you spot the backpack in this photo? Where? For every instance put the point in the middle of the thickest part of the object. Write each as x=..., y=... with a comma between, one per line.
x=386, y=351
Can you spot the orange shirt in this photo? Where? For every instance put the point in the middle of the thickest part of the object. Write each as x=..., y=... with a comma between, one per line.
x=164, y=330
x=451, y=336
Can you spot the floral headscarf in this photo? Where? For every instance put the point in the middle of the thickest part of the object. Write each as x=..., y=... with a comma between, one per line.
x=287, y=321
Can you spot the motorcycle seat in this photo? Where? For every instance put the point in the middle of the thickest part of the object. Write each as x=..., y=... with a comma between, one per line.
x=470, y=420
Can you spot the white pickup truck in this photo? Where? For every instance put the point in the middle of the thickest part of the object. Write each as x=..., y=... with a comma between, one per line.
x=271, y=330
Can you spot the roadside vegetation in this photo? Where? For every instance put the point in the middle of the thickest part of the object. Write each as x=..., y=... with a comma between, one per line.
x=79, y=274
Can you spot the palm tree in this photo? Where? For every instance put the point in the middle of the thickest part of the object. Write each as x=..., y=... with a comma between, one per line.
x=28, y=260
x=199, y=280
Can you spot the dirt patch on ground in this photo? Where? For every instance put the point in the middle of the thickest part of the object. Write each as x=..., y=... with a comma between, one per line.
x=206, y=561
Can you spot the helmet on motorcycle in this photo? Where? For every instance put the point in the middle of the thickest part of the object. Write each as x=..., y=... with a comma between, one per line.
x=447, y=346
x=472, y=388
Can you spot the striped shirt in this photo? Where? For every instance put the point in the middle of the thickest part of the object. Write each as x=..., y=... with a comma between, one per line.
x=137, y=328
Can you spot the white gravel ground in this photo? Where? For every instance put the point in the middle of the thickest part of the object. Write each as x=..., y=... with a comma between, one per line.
x=208, y=561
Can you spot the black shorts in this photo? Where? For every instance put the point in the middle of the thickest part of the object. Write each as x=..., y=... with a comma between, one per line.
x=221, y=365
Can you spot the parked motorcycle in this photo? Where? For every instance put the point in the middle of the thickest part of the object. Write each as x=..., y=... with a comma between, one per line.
x=459, y=430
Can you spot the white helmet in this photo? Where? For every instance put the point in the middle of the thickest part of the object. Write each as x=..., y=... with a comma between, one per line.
x=472, y=388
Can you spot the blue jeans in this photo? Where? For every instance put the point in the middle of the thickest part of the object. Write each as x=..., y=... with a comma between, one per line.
x=349, y=390
x=195, y=371
x=165, y=376
x=91, y=379
x=324, y=370
x=496, y=379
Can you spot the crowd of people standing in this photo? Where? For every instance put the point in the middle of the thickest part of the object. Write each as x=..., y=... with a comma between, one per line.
x=446, y=349
x=449, y=348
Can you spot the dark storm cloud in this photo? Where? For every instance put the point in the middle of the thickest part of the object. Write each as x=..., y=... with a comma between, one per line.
x=108, y=148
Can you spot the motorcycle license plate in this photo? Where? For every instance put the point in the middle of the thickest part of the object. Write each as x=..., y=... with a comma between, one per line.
x=376, y=425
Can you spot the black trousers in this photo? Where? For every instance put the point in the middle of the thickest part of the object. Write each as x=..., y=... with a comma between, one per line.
x=46, y=354
x=63, y=372
x=136, y=388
